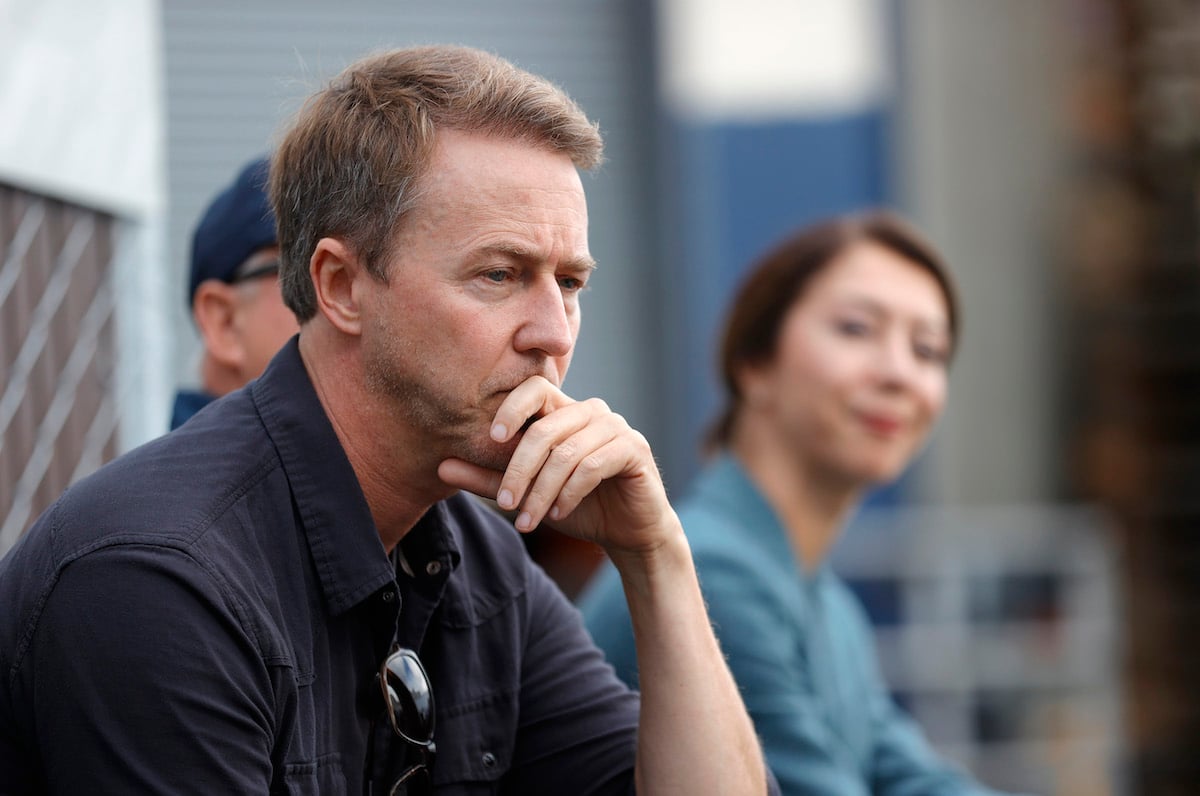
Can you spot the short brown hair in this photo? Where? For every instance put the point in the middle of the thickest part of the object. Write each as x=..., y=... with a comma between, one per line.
x=778, y=279
x=351, y=164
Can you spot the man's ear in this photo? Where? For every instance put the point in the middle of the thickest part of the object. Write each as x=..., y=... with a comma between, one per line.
x=214, y=308
x=335, y=270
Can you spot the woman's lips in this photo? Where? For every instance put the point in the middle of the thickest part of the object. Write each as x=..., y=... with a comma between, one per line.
x=881, y=424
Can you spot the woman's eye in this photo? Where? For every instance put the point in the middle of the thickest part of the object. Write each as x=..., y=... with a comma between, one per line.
x=853, y=328
x=930, y=353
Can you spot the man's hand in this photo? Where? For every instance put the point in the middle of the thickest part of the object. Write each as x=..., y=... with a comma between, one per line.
x=578, y=466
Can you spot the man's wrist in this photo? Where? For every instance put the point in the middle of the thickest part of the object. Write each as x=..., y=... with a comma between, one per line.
x=644, y=570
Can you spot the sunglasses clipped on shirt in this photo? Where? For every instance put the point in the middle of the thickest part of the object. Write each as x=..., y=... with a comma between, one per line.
x=408, y=698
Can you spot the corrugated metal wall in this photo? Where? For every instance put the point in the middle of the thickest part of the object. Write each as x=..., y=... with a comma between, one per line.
x=235, y=71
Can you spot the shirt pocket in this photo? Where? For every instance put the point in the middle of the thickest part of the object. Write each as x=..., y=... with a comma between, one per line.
x=475, y=741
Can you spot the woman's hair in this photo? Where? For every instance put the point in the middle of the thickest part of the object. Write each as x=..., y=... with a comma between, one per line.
x=351, y=164
x=778, y=279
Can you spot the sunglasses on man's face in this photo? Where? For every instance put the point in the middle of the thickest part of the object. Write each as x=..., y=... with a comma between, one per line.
x=255, y=272
x=409, y=702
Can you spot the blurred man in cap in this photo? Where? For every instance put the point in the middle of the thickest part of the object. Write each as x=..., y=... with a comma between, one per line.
x=233, y=288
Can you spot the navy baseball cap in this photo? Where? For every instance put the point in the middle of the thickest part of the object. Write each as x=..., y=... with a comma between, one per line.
x=238, y=223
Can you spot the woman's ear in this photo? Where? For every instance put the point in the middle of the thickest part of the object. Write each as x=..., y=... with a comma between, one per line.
x=214, y=308
x=334, y=269
x=754, y=383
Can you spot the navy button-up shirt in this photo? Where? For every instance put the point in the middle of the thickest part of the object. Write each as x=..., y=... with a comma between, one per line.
x=207, y=614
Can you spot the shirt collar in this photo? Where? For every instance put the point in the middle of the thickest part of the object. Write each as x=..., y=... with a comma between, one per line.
x=430, y=549
x=345, y=546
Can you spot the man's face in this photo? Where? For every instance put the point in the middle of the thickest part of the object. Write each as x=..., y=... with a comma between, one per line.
x=263, y=321
x=483, y=291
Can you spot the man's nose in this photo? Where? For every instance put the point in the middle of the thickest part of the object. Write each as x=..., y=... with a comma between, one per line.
x=547, y=326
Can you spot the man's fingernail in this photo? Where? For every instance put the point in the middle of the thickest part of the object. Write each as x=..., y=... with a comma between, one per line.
x=554, y=512
x=499, y=432
x=505, y=499
x=524, y=521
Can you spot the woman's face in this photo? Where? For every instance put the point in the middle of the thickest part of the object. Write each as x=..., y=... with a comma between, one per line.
x=860, y=372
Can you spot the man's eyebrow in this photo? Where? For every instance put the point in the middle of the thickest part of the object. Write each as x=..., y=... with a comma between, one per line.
x=527, y=255
x=587, y=264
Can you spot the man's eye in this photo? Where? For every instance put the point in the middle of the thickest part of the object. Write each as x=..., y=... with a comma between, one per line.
x=497, y=275
x=572, y=284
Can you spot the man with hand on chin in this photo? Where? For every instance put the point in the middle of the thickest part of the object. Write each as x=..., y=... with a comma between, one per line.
x=290, y=593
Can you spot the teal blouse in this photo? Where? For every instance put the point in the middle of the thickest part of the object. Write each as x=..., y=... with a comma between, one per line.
x=798, y=644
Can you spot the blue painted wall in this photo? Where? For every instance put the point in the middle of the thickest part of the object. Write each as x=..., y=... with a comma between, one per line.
x=739, y=187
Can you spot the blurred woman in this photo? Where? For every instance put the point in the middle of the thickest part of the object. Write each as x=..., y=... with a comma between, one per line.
x=834, y=362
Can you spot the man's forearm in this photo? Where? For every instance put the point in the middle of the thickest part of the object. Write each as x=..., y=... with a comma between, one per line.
x=694, y=736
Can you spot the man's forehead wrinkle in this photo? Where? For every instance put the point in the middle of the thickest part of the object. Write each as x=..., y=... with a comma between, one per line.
x=506, y=204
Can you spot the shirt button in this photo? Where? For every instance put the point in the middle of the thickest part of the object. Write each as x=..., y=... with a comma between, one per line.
x=433, y=567
x=489, y=760
x=389, y=595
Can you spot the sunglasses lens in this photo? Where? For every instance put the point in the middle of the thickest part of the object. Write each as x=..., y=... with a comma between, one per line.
x=409, y=697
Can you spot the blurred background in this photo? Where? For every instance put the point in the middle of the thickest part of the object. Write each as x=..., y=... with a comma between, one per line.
x=1034, y=580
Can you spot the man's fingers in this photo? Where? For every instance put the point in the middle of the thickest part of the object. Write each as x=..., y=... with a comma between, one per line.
x=549, y=453
x=567, y=450
x=609, y=460
x=531, y=399
x=471, y=477
x=557, y=463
